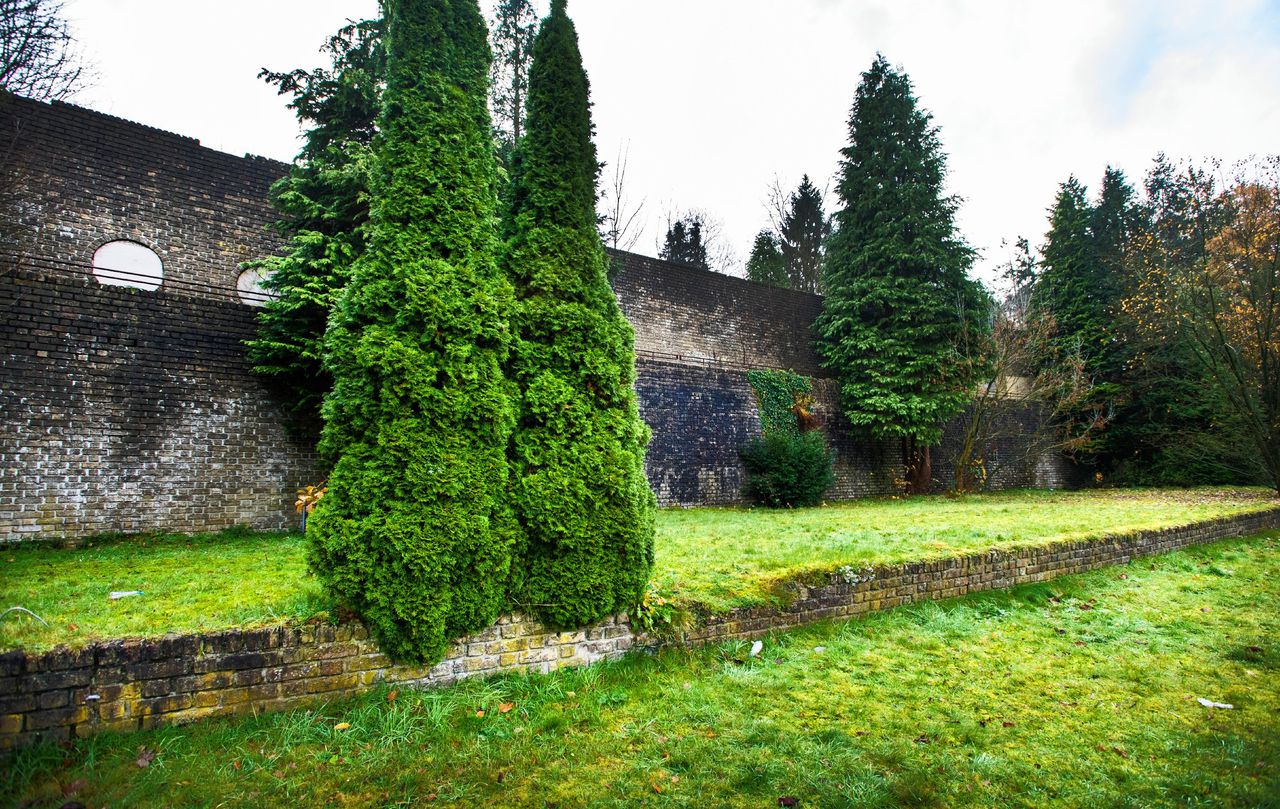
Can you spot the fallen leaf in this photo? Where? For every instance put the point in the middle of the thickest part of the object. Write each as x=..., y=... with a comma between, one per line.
x=506, y=707
x=1007, y=724
x=1085, y=607
x=1124, y=576
x=1119, y=752
x=1255, y=650
x=72, y=788
x=145, y=757
x=391, y=697
x=342, y=726
x=479, y=714
x=73, y=627
x=787, y=800
x=923, y=739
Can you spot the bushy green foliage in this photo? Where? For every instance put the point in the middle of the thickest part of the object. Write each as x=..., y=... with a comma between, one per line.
x=897, y=293
x=789, y=465
x=578, y=479
x=323, y=207
x=788, y=470
x=766, y=264
x=414, y=534
x=776, y=393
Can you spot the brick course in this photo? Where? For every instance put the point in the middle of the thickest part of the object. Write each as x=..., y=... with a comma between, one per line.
x=135, y=684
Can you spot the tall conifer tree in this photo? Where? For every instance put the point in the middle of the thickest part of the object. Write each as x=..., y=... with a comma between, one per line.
x=804, y=234
x=898, y=298
x=414, y=534
x=578, y=458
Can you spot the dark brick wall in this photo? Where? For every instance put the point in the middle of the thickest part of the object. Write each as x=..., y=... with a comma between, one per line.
x=125, y=410
x=98, y=179
x=685, y=315
x=130, y=410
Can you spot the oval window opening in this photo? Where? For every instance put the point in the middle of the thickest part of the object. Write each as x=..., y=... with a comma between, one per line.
x=249, y=286
x=128, y=264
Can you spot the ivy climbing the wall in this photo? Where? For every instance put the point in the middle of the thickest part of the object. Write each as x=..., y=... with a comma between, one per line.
x=789, y=466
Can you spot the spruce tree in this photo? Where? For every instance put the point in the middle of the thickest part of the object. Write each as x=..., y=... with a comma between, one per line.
x=898, y=298
x=578, y=479
x=414, y=534
x=323, y=207
x=804, y=233
x=766, y=264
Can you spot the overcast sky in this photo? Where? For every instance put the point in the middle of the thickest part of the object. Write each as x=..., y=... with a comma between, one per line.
x=714, y=98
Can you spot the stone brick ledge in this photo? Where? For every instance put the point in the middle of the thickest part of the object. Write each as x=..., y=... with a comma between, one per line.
x=133, y=684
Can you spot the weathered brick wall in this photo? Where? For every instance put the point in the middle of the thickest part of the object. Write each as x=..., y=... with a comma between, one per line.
x=127, y=685
x=96, y=179
x=128, y=410
x=689, y=316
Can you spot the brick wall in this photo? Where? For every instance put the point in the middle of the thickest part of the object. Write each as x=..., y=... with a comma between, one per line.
x=127, y=685
x=125, y=410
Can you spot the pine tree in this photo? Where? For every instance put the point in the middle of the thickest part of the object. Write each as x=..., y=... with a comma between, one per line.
x=514, y=26
x=414, y=534
x=898, y=298
x=323, y=206
x=684, y=243
x=578, y=457
x=804, y=233
x=767, y=265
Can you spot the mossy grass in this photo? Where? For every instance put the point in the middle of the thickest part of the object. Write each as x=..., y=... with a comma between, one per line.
x=708, y=559
x=1018, y=698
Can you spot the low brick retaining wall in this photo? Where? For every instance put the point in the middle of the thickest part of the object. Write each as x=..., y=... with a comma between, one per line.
x=132, y=684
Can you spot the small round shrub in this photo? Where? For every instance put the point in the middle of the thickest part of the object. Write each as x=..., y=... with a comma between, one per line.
x=788, y=470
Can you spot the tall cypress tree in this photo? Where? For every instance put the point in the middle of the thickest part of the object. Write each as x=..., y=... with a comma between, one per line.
x=898, y=298
x=414, y=535
x=804, y=232
x=578, y=457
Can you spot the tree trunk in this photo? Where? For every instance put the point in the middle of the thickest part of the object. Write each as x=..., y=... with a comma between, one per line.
x=919, y=470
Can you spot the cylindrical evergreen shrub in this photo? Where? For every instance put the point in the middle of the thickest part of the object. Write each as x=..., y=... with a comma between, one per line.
x=788, y=469
x=415, y=534
x=578, y=482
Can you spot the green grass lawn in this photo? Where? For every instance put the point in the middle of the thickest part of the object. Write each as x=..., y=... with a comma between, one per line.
x=1076, y=693
x=716, y=558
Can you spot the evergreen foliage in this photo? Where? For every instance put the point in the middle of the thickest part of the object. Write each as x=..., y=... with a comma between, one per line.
x=515, y=25
x=788, y=470
x=898, y=298
x=414, y=534
x=684, y=244
x=804, y=233
x=766, y=264
x=323, y=206
x=578, y=479
x=789, y=466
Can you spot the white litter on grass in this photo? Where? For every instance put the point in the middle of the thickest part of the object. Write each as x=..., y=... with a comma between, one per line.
x=119, y=594
x=757, y=648
x=819, y=649
x=1211, y=704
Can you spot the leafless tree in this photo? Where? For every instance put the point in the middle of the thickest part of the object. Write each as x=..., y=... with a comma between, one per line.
x=38, y=55
x=621, y=223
